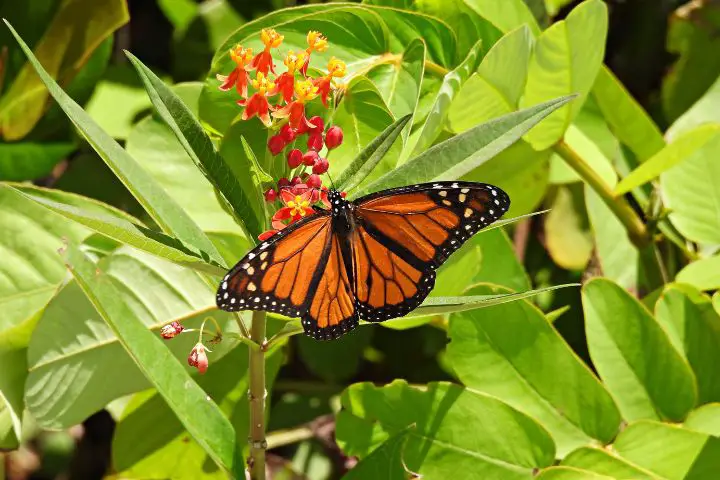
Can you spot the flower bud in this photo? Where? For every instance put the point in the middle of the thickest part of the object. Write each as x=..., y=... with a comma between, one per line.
x=283, y=183
x=270, y=195
x=318, y=124
x=198, y=358
x=171, y=330
x=310, y=157
x=295, y=158
x=321, y=166
x=276, y=144
x=333, y=137
x=265, y=235
x=315, y=142
x=296, y=181
x=288, y=133
x=314, y=181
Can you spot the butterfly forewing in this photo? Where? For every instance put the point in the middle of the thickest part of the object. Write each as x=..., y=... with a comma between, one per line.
x=279, y=274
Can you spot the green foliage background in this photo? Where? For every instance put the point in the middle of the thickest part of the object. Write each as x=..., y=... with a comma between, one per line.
x=580, y=343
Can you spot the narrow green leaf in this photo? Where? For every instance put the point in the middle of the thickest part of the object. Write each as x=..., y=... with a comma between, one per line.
x=627, y=119
x=451, y=85
x=634, y=356
x=461, y=154
x=695, y=456
x=366, y=161
x=497, y=350
x=120, y=226
x=200, y=415
x=566, y=60
x=198, y=145
x=703, y=274
x=156, y=202
x=693, y=327
x=684, y=147
x=455, y=430
x=602, y=461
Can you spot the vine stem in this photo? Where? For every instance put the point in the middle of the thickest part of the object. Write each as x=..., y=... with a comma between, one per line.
x=618, y=205
x=258, y=443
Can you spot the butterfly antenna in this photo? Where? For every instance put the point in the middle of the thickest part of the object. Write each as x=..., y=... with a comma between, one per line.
x=332, y=184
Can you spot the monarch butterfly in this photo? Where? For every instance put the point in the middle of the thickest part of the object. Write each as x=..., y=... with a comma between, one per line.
x=373, y=258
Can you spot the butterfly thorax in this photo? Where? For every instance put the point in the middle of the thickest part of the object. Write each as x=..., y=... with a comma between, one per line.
x=342, y=213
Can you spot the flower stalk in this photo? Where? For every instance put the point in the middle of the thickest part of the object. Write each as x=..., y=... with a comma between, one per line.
x=258, y=443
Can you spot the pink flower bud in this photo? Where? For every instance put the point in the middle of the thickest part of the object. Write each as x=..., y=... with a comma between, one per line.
x=321, y=166
x=314, y=181
x=198, y=358
x=270, y=195
x=333, y=137
x=315, y=142
x=310, y=157
x=295, y=158
x=276, y=144
x=288, y=133
x=283, y=183
x=296, y=181
x=171, y=330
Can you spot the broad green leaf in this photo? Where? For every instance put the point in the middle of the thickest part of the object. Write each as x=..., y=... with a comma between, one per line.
x=488, y=258
x=463, y=153
x=570, y=473
x=496, y=351
x=366, y=161
x=670, y=451
x=506, y=16
x=703, y=274
x=30, y=160
x=683, y=148
x=71, y=340
x=118, y=100
x=159, y=206
x=451, y=84
x=690, y=193
x=703, y=111
x=521, y=171
x=496, y=87
x=363, y=116
x=399, y=81
x=604, y=462
x=198, y=146
x=338, y=361
x=119, y=226
x=78, y=27
x=31, y=270
x=566, y=60
x=455, y=430
x=691, y=40
x=200, y=416
x=693, y=327
x=568, y=238
x=384, y=462
x=628, y=121
x=705, y=419
x=632, y=353
x=150, y=442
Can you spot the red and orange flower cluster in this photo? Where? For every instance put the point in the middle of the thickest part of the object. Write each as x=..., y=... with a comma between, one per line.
x=279, y=100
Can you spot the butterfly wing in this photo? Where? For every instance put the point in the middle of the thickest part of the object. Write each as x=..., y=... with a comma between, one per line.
x=404, y=234
x=332, y=311
x=280, y=273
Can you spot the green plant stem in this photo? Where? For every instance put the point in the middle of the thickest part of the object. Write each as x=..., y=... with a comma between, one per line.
x=258, y=444
x=618, y=205
x=281, y=438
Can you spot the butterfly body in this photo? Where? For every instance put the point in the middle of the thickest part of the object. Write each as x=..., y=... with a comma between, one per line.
x=373, y=258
